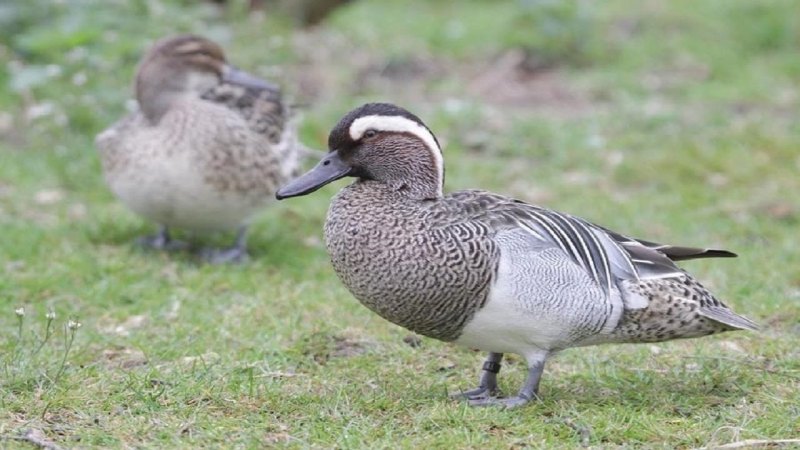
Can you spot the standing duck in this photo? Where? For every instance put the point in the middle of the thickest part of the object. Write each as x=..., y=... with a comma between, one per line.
x=487, y=271
x=207, y=148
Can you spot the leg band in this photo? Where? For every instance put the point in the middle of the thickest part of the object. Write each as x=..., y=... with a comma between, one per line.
x=491, y=366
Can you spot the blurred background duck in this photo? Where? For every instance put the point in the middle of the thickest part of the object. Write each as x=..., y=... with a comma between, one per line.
x=207, y=148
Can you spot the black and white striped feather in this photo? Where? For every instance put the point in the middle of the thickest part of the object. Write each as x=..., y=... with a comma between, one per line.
x=606, y=256
x=673, y=252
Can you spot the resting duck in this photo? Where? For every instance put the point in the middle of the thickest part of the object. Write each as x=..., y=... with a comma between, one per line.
x=207, y=148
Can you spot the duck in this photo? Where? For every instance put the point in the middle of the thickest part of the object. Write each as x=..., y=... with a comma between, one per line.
x=206, y=149
x=490, y=272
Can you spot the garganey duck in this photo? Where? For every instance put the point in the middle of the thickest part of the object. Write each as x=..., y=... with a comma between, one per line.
x=207, y=148
x=487, y=271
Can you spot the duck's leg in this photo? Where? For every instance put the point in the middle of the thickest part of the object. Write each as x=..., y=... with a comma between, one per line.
x=488, y=382
x=529, y=391
x=161, y=241
x=232, y=255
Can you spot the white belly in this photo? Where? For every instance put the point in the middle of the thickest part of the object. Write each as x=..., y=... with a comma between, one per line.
x=502, y=327
x=171, y=192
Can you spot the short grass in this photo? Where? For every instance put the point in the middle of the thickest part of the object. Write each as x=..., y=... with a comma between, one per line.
x=673, y=121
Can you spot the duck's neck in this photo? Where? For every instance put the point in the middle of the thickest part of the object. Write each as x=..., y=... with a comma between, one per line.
x=157, y=94
x=415, y=172
x=417, y=189
x=154, y=106
x=396, y=191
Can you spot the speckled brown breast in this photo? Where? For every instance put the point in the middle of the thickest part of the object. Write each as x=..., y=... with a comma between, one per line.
x=387, y=250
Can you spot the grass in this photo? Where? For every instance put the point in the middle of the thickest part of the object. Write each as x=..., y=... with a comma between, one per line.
x=673, y=121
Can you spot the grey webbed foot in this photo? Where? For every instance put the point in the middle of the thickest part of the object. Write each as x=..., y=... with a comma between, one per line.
x=474, y=394
x=161, y=241
x=528, y=392
x=488, y=383
x=233, y=255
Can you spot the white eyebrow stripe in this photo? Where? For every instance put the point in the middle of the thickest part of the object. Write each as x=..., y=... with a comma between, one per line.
x=400, y=124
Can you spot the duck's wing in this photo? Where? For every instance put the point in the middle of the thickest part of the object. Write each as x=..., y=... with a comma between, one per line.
x=262, y=107
x=673, y=252
x=608, y=257
x=605, y=255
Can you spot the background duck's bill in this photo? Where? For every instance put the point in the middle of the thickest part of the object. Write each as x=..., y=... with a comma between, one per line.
x=233, y=75
x=329, y=169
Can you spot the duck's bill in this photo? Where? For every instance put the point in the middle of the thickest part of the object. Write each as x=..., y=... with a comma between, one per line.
x=329, y=169
x=232, y=75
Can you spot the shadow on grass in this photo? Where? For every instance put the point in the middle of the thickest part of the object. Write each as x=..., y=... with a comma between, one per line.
x=270, y=243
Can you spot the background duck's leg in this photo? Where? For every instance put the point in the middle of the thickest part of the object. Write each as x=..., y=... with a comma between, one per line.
x=529, y=391
x=488, y=383
x=161, y=241
x=236, y=254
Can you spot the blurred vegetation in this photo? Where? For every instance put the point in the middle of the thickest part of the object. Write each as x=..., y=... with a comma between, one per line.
x=674, y=121
x=48, y=44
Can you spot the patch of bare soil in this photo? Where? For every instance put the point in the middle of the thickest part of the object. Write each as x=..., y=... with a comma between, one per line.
x=331, y=67
x=512, y=79
x=124, y=358
x=323, y=347
x=125, y=327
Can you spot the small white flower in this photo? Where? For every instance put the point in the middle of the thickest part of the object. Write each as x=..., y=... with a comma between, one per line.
x=20, y=312
x=51, y=315
x=73, y=325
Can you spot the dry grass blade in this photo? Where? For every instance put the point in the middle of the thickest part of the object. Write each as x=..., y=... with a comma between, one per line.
x=37, y=437
x=754, y=443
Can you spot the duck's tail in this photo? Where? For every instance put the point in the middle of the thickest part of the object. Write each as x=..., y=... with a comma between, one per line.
x=724, y=315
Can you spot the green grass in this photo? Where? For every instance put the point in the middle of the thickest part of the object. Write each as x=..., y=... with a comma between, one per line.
x=676, y=121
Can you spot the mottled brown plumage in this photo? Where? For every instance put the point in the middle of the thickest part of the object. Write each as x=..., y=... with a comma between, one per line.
x=402, y=236
x=208, y=146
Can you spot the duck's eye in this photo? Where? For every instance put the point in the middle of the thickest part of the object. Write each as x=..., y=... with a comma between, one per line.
x=370, y=133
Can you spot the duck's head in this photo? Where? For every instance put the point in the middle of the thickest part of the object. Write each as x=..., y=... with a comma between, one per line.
x=380, y=142
x=184, y=65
